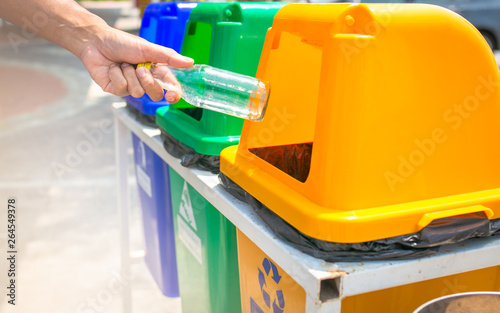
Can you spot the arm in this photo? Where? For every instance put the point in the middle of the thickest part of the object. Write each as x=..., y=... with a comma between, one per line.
x=106, y=52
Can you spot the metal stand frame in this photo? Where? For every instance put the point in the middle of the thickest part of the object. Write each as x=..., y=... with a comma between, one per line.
x=325, y=284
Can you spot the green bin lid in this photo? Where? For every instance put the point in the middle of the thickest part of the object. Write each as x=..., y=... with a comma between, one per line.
x=225, y=35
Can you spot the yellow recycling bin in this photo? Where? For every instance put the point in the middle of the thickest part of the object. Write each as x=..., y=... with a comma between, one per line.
x=266, y=288
x=382, y=118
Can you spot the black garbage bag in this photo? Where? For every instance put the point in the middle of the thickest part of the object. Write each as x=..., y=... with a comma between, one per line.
x=148, y=120
x=423, y=243
x=188, y=156
x=295, y=160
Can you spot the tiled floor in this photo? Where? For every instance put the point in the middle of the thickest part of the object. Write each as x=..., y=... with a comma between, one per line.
x=68, y=239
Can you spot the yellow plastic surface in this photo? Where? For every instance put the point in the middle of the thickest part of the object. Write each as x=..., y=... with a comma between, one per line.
x=408, y=298
x=405, y=298
x=147, y=65
x=264, y=291
x=429, y=217
x=401, y=104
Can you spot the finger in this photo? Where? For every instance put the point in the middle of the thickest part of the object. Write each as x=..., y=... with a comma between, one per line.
x=159, y=54
x=172, y=97
x=150, y=85
x=134, y=86
x=118, y=81
x=162, y=73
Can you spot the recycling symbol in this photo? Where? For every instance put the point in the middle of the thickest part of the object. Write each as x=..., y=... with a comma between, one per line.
x=185, y=208
x=273, y=300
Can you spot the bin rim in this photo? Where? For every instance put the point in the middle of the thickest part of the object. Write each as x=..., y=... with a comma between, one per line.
x=457, y=295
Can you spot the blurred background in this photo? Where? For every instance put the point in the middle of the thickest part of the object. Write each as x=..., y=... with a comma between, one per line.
x=57, y=159
x=68, y=231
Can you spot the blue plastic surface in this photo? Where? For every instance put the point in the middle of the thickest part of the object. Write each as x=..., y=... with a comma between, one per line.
x=163, y=23
x=154, y=194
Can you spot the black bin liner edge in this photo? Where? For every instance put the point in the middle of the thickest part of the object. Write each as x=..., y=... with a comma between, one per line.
x=188, y=156
x=148, y=120
x=423, y=243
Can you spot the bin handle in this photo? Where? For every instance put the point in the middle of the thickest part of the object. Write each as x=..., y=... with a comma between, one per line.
x=429, y=217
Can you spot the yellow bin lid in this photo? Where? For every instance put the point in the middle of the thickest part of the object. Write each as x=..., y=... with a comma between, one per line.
x=393, y=111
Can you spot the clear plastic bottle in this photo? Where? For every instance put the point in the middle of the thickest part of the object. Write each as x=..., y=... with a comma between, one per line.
x=218, y=90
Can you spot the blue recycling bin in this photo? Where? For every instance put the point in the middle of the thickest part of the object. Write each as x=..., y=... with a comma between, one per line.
x=152, y=177
x=163, y=23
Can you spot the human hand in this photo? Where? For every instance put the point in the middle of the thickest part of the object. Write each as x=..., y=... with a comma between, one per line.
x=108, y=58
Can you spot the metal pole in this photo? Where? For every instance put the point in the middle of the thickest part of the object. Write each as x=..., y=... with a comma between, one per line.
x=121, y=135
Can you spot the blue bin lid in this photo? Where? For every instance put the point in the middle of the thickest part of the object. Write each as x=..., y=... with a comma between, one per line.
x=163, y=23
x=145, y=105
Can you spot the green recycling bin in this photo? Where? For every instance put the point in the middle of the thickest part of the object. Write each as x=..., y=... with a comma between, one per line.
x=228, y=36
x=206, y=252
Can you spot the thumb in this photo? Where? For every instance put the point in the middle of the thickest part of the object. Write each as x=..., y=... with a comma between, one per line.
x=158, y=54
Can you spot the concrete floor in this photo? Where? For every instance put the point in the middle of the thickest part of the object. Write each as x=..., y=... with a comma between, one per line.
x=67, y=220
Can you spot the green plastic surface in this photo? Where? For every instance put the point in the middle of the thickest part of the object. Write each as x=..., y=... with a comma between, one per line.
x=225, y=35
x=206, y=250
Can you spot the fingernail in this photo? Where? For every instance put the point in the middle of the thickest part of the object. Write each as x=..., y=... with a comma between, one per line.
x=142, y=72
x=187, y=59
x=170, y=99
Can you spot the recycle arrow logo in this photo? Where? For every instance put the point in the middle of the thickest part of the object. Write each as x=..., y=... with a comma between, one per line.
x=185, y=207
x=270, y=270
